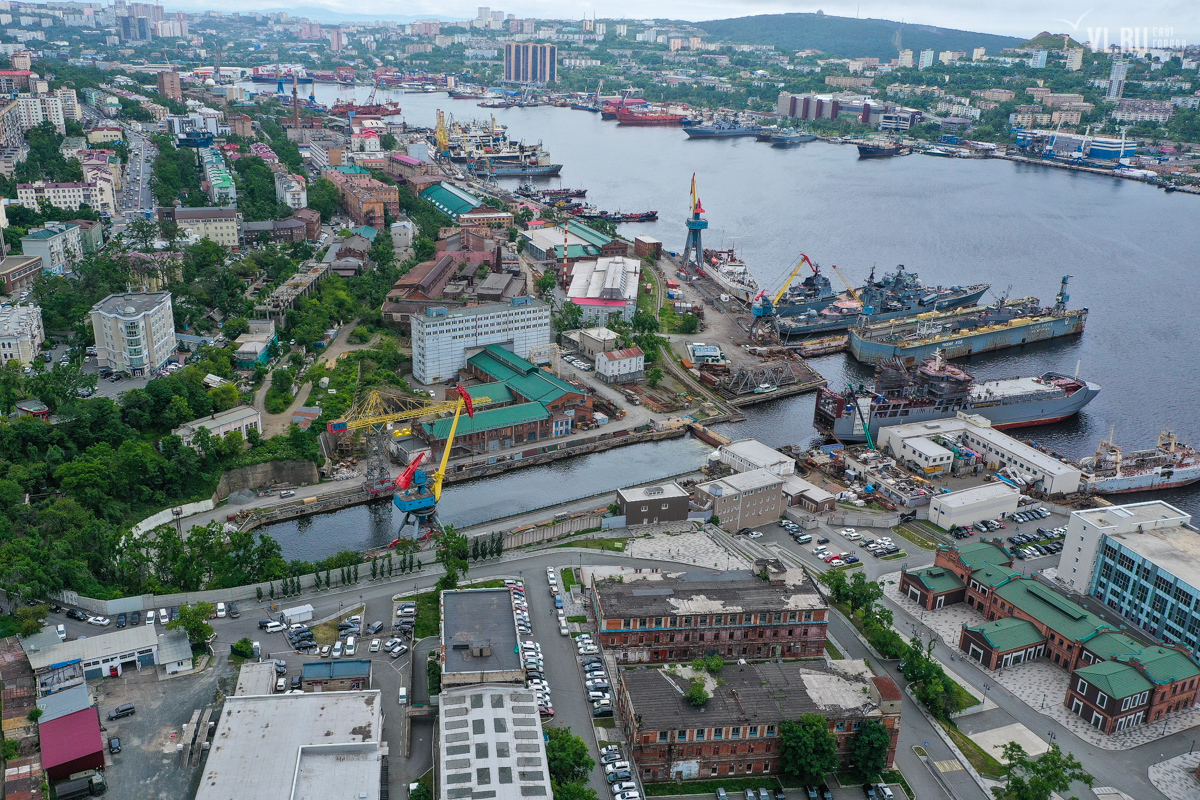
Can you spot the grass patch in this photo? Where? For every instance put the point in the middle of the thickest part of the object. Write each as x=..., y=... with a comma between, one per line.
x=9, y=626
x=428, y=618
x=327, y=632
x=916, y=538
x=962, y=698
x=894, y=556
x=982, y=761
x=847, y=778
x=617, y=545
x=896, y=776
x=832, y=650
x=581, y=618
x=731, y=785
x=604, y=722
x=846, y=567
x=568, y=578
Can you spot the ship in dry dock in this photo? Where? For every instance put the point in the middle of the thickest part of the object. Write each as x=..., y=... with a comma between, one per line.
x=1168, y=465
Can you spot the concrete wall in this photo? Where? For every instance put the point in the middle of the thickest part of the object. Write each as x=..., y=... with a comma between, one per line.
x=168, y=515
x=260, y=475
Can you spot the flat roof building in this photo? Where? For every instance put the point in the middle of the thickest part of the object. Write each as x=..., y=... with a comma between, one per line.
x=744, y=455
x=21, y=333
x=647, y=505
x=491, y=745
x=442, y=337
x=743, y=499
x=479, y=638
x=966, y=506
x=239, y=418
x=135, y=332
x=678, y=616
x=296, y=747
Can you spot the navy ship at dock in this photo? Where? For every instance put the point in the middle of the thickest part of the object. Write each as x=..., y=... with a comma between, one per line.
x=937, y=390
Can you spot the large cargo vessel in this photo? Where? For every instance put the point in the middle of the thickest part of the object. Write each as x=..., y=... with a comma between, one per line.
x=879, y=148
x=938, y=390
x=967, y=331
x=807, y=309
x=1169, y=464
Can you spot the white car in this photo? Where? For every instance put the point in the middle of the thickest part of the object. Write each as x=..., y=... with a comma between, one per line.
x=61, y=630
x=101, y=621
x=590, y=650
x=755, y=534
x=846, y=531
x=374, y=648
x=337, y=649
x=819, y=550
x=854, y=537
x=837, y=562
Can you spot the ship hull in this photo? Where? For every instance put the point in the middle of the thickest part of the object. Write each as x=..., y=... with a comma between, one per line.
x=548, y=170
x=873, y=151
x=844, y=323
x=968, y=343
x=791, y=141
x=741, y=292
x=718, y=133
x=286, y=79
x=1145, y=482
x=839, y=419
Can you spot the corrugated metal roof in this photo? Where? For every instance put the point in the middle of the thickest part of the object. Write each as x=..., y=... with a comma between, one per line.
x=72, y=737
x=60, y=704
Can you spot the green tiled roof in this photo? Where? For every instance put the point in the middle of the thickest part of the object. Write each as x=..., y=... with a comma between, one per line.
x=1114, y=679
x=938, y=579
x=975, y=554
x=450, y=200
x=1162, y=664
x=1065, y=618
x=993, y=576
x=1010, y=634
x=589, y=235
x=496, y=393
x=367, y=232
x=523, y=377
x=488, y=420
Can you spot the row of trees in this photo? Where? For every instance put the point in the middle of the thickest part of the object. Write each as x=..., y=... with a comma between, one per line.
x=176, y=174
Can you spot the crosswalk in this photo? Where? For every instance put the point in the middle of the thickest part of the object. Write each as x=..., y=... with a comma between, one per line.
x=950, y=765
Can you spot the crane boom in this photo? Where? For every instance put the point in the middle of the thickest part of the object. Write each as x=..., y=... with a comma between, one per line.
x=783, y=289
x=464, y=401
x=849, y=286
x=372, y=412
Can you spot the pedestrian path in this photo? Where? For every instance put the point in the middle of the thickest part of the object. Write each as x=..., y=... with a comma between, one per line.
x=949, y=765
x=1176, y=777
x=703, y=548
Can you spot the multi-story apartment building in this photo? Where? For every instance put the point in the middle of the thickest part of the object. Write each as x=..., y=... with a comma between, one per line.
x=135, y=333
x=679, y=617
x=18, y=273
x=291, y=191
x=744, y=499
x=97, y=195
x=525, y=62
x=222, y=225
x=737, y=732
x=21, y=333
x=169, y=85
x=58, y=244
x=33, y=110
x=441, y=337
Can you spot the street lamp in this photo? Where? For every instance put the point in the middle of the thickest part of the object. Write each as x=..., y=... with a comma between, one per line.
x=1043, y=701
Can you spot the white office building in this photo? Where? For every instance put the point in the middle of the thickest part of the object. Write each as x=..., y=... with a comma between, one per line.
x=621, y=366
x=443, y=339
x=135, y=333
x=21, y=333
x=605, y=287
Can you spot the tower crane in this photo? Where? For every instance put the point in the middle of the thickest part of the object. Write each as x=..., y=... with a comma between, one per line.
x=765, y=306
x=849, y=286
x=441, y=135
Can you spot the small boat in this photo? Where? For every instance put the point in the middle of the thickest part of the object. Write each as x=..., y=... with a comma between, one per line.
x=765, y=388
x=941, y=152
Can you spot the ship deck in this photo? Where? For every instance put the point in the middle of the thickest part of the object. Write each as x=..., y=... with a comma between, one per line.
x=1010, y=389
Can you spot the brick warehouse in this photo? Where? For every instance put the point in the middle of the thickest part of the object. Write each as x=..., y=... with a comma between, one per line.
x=736, y=731
x=736, y=614
x=1116, y=681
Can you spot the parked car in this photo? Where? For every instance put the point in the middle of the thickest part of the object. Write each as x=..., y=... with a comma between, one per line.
x=122, y=620
x=135, y=618
x=121, y=711
x=101, y=621
x=114, y=745
x=76, y=614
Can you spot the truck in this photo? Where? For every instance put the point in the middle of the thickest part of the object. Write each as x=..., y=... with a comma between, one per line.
x=92, y=785
x=302, y=613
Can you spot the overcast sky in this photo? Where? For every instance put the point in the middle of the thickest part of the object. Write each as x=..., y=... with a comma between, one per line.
x=1171, y=19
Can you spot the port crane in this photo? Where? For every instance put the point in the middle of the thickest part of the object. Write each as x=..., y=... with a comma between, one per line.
x=376, y=413
x=765, y=306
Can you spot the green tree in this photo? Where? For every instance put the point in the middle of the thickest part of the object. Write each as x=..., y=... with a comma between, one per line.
x=1038, y=778
x=453, y=552
x=546, y=282
x=869, y=748
x=193, y=620
x=142, y=233
x=323, y=197
x=422, y=792
x=654, y=376
x=567, y=756
x=383, y=252
x=710, y=663
x=807, y=748
x=696, y=694
x=862, y=593
x=433, y=672
x=30, y=619
x=242, y=647
x=388, y=142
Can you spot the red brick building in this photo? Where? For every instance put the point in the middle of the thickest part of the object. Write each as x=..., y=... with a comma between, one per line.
x=663, y=618
x=736, y=733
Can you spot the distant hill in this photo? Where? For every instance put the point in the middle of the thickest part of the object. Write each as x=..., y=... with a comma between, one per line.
x=849, y=37
x=1050, y=41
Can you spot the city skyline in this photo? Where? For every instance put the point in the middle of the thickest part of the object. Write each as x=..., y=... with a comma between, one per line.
x=1172, y=20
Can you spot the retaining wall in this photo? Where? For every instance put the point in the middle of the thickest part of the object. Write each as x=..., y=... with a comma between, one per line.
x=168, y=515
x=295, y=471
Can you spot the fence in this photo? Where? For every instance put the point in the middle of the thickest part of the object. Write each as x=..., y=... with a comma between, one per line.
x=522, y=537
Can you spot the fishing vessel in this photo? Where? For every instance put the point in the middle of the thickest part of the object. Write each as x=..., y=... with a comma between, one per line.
x=789, y=137
x=728, y=271
x=937, y=390
x=344, y=108
x=812, y=306
x=617, y=216
x=1167, y=465
x=969, y=331
x=879, y=148
x=534, y=163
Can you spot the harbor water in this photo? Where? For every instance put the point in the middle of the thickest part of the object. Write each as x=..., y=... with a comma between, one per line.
x=1129, y=246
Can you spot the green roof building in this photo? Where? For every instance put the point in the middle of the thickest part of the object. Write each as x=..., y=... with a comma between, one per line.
x=450, y=200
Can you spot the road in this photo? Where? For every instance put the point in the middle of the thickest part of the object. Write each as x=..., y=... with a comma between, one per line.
x=135, y=197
